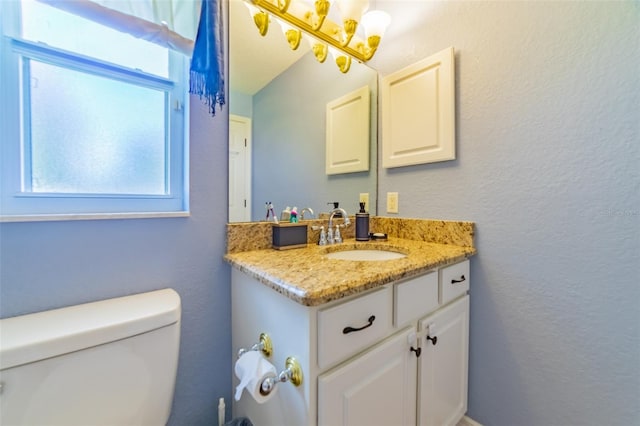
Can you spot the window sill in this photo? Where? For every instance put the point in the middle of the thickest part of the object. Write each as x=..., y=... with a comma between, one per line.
x=91, y=216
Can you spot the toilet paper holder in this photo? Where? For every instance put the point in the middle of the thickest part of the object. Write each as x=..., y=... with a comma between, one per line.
x=264, y=345
x=292, y=373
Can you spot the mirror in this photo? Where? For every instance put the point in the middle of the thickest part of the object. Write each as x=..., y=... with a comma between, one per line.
x=285, y=110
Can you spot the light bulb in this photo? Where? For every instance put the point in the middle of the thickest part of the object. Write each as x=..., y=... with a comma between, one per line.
x=375, y=23
x=352, y=9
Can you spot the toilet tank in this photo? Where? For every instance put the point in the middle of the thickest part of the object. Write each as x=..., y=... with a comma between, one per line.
x=111, y=362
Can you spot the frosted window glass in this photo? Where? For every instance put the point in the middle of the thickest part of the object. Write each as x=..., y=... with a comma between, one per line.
x=63, y=30
x=91, y=134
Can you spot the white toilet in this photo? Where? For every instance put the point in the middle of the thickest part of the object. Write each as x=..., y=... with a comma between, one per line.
x=111, y=362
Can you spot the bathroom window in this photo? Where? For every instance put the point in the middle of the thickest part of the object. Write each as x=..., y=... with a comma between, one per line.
x=94, y=120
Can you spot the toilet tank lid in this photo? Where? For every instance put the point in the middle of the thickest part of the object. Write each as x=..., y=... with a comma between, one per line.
x=34, y=337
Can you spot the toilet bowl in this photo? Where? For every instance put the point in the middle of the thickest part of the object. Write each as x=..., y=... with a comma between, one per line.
x=110, y=362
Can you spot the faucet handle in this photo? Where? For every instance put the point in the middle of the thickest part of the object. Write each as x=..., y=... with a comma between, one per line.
x=323, y=236
x=330, y=239
x=337, y=238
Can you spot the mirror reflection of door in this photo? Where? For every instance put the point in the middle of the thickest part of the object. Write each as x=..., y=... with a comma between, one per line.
x=239, y=168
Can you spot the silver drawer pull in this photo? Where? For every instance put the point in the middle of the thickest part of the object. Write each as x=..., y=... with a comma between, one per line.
x=348, y=330
x=462, y=279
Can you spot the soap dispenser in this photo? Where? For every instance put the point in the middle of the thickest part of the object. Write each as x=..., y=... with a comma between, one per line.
x=362, y=224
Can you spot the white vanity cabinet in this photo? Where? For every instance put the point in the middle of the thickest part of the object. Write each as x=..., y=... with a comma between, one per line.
x=395, y=355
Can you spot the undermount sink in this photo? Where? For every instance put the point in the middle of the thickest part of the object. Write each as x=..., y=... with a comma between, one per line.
x=366, y=255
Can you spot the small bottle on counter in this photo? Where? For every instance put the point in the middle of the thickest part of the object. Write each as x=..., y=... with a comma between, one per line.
x=362, y=224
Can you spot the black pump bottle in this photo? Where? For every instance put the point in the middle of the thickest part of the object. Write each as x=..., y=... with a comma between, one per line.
x=362, y=224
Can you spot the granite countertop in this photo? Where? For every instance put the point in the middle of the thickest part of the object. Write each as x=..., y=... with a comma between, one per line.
x=308, y=277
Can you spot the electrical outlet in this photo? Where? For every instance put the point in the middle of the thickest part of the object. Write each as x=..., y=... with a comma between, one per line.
x=364, y=198
x=392, y=202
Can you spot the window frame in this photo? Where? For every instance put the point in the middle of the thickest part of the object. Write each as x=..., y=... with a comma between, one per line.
x=18, y=205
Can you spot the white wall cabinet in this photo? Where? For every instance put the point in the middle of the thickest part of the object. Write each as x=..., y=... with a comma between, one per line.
x=347, y=133
x=367, y=359
x=418, y=112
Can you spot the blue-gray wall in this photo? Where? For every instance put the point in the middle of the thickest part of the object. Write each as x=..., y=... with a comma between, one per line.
x=547, y=113
x=240, y=104
x=46, y=265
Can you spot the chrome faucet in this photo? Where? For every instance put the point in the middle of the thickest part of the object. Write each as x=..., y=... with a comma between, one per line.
x=336, y=238
x=344, y=214
x=306, y=209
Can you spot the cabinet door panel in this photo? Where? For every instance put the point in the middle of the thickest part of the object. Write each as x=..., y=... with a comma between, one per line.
x=376, y=388
x=347, y=134
x=443, y=366
x=418, y=112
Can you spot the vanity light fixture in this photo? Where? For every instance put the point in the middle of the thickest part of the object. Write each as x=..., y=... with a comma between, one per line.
x=320, y=50
x=343, y=62
x=297, y=16
x=293, y=35
x=260, y=18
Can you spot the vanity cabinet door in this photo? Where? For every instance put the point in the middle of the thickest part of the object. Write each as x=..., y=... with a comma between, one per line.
x=376, y=388
x=443, y=366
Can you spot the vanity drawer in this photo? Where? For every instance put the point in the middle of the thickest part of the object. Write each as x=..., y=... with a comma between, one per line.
x=350, y=327
x=415, y=298
x=454, y=281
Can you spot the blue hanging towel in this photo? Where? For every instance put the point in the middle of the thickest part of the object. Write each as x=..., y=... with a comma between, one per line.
x=207, y=62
